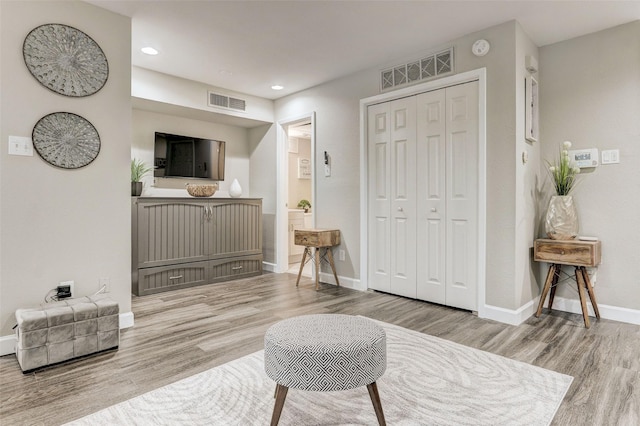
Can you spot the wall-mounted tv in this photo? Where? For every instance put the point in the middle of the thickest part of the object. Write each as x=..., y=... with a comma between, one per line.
x=189, y=157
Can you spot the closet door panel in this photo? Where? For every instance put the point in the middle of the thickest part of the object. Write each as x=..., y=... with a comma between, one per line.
x=462, y=195
x=423, y=190
x=379, y=165
x=403, y=197
x=431, y=196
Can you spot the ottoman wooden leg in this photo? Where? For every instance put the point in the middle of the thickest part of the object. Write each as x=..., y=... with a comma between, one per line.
x=377, y=406
x=281, y=394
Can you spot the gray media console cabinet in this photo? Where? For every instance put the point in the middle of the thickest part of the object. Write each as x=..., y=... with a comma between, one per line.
x=184, y=242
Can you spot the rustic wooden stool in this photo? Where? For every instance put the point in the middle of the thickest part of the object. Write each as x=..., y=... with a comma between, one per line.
x=577, y=253
x=318, y=239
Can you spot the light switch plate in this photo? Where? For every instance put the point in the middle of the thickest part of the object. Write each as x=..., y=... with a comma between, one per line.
x=20, y=145
x=611, y=156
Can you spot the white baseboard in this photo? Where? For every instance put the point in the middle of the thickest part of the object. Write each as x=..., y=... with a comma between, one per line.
x=614, y=313
x=510, y=316
x=126, y=320
x=270, y=267
x=520, y=315
x=351, y=283
x=8, y=343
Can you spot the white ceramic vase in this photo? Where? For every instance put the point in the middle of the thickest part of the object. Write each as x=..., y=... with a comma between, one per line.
x=235, y=190
x=561, y=221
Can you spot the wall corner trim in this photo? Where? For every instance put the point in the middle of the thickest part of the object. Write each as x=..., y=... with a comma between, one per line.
x=509, y=316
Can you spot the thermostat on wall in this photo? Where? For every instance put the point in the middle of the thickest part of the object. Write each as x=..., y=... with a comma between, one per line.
x=584, y=158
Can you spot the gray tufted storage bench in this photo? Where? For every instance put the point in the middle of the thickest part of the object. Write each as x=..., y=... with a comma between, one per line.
x=67, y=329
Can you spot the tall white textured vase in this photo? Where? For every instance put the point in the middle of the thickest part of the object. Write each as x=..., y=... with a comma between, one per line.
x=561, y=221
x=235, y=190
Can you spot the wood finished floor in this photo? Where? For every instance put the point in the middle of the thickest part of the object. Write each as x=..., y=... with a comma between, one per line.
x=181, y=333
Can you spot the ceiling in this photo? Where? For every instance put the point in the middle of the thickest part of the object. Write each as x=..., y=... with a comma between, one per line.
x=248, y=46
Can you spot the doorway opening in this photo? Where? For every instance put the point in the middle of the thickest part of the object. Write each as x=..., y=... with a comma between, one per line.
x=296, y=189
x=299, y=179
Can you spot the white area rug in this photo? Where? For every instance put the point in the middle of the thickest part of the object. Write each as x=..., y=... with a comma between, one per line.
x=429, y=381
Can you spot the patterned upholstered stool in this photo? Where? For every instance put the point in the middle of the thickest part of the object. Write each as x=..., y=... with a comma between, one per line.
x=325, y=353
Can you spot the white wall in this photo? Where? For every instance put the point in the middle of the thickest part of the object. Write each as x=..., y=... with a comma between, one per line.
x=590, y=95
x=146, y=123
x=337, y=200
x=262, y=142
x=337, y=131
x=171, y=90
x=527, y=180
x=61, y=224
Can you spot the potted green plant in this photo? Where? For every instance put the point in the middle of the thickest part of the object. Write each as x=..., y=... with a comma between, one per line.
x=138, y=170
x=561, y=220
x=304, y=204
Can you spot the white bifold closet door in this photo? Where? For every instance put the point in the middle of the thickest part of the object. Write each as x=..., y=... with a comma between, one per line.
x=423, y=192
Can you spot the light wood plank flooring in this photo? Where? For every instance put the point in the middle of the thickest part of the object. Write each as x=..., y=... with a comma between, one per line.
x=180, y=333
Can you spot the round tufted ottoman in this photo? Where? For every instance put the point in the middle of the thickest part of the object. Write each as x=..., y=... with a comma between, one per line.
x=325, y=353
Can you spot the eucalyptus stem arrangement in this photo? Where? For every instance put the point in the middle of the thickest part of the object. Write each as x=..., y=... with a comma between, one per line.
x=563, y=172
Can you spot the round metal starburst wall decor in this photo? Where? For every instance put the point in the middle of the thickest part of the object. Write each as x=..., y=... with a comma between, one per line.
x=65, y=60
x=66, y=140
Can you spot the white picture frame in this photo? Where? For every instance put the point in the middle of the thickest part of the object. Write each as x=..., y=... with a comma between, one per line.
x=304, y=168
x=531, y=121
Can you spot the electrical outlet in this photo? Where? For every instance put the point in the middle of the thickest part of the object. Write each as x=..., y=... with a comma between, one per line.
x=104, y=285
x=341, y=255
x=70, y=284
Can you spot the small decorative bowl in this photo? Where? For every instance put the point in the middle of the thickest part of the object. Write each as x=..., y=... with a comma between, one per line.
x=202, y=190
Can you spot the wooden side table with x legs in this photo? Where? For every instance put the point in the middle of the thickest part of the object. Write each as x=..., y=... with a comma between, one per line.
x=317, y=239
x=577, y=253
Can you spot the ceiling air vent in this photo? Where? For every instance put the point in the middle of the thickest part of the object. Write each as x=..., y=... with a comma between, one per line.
x=429, y=67
x=227, y=102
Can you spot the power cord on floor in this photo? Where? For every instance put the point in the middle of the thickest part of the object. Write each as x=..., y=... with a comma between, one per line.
x=50, y=298
x=102, y=290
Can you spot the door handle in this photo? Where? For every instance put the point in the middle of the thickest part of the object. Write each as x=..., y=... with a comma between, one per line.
x=176, y=277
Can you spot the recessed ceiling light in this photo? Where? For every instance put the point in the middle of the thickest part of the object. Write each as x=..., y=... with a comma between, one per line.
x=149, y=50
x=277, y=87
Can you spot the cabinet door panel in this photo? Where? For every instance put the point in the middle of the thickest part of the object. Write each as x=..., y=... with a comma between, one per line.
x=170, y=232
x=236, y=229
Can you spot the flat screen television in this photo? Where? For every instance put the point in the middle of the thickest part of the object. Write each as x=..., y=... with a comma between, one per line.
x=188, y=157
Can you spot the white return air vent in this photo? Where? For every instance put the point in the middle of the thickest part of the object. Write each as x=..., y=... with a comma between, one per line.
x=427, y=68
x=223, y=101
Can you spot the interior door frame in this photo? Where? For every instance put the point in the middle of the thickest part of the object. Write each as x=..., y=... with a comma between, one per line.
x=282, y=190
x=479, y=75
